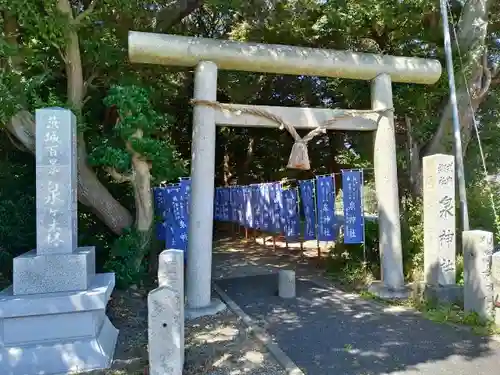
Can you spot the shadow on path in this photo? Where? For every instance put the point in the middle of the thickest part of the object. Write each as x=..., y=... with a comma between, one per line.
x=326, y=331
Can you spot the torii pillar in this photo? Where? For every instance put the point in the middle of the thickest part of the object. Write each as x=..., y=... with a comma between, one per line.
x=209, y=55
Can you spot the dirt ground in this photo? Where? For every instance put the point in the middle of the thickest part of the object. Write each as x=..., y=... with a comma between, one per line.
x=217, y=345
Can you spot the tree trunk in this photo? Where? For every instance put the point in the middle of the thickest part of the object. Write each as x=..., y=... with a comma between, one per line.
x=91, y=192
x=144, y=210
x=245, y=176
x=471, y=37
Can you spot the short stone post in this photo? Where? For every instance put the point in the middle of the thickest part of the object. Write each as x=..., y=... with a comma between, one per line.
x=495, y=278
x=166, y=316
x=286, y=284
x=439, y=220
x=478, y=287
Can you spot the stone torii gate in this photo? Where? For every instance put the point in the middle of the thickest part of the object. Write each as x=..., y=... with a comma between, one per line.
x=209, y=55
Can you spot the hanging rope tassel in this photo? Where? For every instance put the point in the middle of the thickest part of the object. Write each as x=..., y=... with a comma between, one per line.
x=299, y=156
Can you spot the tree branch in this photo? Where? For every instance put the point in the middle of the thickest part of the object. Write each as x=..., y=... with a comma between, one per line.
x=174, y=12
x=117, y=176
x=79, y=19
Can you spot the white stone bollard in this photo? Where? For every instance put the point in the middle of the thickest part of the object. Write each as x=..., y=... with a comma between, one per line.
x=495, y=278
x=286, y=284
x=478, y=286
x=166, y=316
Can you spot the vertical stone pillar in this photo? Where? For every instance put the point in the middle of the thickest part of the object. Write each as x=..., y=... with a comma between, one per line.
x=439, y=220
x=199, y=263
x=386, y=185
x=166, y=316
x=478, y=287
x=495, y=278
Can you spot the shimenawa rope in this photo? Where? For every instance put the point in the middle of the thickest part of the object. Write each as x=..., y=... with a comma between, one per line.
x=299, y=157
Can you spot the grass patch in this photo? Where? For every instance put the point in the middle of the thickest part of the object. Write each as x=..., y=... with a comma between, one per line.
x=442, y=313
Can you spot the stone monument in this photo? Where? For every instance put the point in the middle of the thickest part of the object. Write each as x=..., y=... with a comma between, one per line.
x=166, y=316
x=478, y=286
x=439, y=229
x=53, y=317
x=439, y=220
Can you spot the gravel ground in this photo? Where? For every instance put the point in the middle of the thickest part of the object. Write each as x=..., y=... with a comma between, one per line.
x=221, y=345
x=216, y=345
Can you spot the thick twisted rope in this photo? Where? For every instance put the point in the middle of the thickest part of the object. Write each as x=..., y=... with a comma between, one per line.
x=299, y=158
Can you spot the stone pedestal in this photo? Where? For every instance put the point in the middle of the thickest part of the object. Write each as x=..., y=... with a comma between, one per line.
x=53, y=317
x=57, y=333
x=478, y=286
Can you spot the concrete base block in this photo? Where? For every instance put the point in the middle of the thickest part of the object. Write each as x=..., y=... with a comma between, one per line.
x=57, y=333
x=286, y=284
x=383, y=291
x=216, y=306
x=53, y=273
x=446, y=294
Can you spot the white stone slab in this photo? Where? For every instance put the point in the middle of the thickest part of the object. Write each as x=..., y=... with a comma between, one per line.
x=40, y=328
x=439, y=220
x=478, y=286
x=61, y=357
x=166, y=316
x=54, y=273
x=95, y=298
x=165, y=332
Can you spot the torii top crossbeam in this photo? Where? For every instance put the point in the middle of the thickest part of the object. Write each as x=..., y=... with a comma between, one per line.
x=165, y=49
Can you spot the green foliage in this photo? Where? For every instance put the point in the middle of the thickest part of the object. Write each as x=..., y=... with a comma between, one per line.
x=482, y=196
x=412, y=237
x=122, y=260
x=356, y=265
x=139, y=131
x=33, y=74
x=17, y=205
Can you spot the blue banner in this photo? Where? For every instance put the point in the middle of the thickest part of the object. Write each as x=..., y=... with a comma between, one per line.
x=354, y=220
x=226, y=204
x=266, y=207
x=257, y=206
x=307, y=200
x=217, y=203
x=185, y=186
x=291, y=216
x=275, y=195
x=325, y=207
x=176, y=224
x=160, y=211
x=249, y=221
x=234, y=204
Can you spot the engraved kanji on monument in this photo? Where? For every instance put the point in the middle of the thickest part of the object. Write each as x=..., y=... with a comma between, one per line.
x=478, y=283
x=439, y=220
x=56, y=181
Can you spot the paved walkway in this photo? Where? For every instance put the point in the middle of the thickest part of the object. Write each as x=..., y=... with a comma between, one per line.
x=326, y=331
